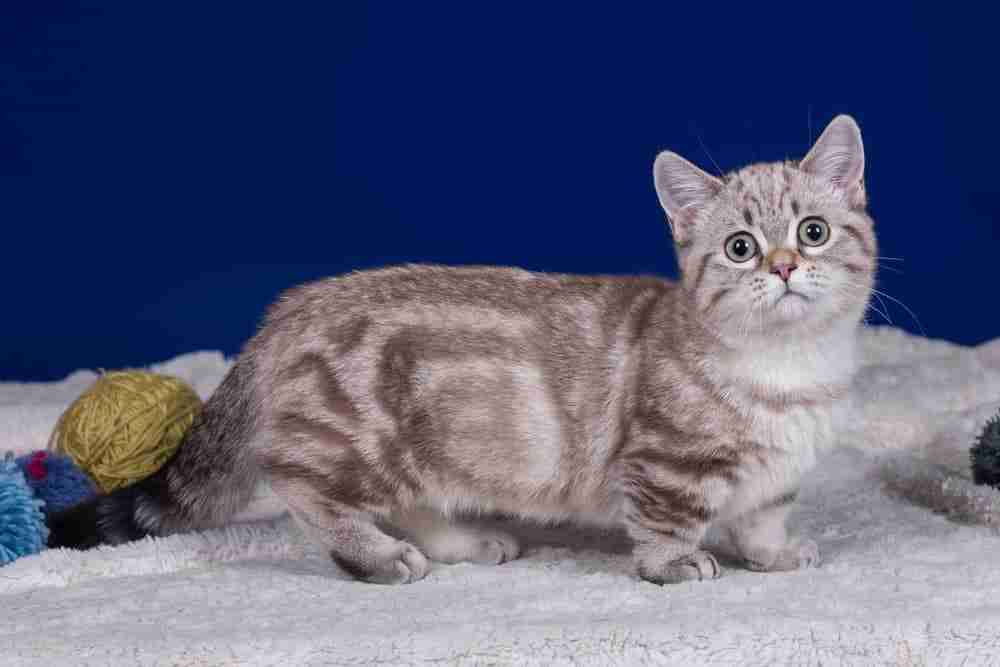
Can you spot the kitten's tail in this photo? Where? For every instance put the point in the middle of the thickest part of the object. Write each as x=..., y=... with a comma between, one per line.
x=210, y=477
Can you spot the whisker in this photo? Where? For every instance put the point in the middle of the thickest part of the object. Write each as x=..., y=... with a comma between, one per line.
x=880, y=293
x=884, y=307
x=745, y=324
x=704, y=148
x=869, y=306
x=884, y=316
x=916, y=319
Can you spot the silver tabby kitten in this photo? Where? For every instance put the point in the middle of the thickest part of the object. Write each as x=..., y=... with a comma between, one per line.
x=406, y=399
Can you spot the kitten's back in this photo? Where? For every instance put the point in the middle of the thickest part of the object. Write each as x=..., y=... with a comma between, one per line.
x=462, y=386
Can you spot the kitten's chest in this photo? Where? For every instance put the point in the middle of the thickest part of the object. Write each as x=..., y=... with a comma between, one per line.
x=785, y=404
x=785, y=396
x=798, y=430
x=782, y=447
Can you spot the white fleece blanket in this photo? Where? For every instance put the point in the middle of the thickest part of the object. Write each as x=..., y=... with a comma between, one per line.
x=910, y=573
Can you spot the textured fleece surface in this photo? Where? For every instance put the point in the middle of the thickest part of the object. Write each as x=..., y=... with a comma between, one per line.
x=910, y=573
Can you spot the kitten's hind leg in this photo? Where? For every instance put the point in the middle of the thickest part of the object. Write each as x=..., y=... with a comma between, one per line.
x=762, y=540
x=355, y=542
x=453, y=542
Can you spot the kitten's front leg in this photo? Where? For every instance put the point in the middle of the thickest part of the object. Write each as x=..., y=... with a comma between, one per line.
x=762, y=539
x=667, y=521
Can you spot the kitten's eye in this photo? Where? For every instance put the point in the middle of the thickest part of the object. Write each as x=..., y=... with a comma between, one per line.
x=740, y=247
x=814, y=232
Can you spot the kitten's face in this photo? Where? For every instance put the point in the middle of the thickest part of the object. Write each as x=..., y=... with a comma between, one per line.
x=775, y=248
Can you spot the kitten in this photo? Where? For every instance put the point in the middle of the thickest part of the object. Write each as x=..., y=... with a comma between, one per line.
x=402, y=400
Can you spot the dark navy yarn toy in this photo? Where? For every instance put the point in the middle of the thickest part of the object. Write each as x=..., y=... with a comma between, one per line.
x=32, y=487
x=986, y=455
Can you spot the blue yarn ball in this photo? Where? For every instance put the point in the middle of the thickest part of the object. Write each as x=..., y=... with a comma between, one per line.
x=22, y=523
x=56, y=479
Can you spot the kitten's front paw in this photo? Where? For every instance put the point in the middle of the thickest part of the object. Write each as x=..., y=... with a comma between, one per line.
x=803, y=555
x=698, y=566
x=497, y=549
x=405, y=566
x=795, y=556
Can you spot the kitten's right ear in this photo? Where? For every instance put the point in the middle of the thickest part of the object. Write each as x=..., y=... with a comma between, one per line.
x=683, y=189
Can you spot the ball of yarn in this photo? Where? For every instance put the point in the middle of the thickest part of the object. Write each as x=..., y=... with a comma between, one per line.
x=55, y=479
x=985, y=455
x=22, y=523
x=126, y=426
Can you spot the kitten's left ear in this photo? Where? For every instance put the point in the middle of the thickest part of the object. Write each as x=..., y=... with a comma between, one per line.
x=839, y=158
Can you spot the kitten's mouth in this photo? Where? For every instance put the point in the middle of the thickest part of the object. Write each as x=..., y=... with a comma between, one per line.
x=791, y=303
x=789, y=293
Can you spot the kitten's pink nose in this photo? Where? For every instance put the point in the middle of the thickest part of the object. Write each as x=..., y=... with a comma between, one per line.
x=784, y=270
x=783, y=262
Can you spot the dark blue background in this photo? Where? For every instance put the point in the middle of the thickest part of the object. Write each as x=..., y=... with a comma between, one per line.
x=166, y=170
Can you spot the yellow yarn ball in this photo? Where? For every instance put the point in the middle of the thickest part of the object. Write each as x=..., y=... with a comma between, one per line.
x=126, y=426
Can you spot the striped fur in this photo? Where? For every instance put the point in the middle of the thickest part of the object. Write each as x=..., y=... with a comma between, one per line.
x=402, y=402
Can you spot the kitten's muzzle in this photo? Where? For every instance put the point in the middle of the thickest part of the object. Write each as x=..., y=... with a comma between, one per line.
x=782, y=262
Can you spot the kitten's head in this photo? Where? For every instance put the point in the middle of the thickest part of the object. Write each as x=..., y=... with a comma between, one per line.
x=774, y=248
